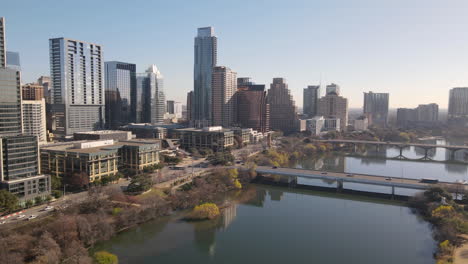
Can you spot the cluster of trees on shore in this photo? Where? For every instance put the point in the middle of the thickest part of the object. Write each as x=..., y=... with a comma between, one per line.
x=449, y=218
x=66, y=236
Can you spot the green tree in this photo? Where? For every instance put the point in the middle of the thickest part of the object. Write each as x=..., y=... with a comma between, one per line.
x=8, y=201
x=37, y=200
x=140, y=183
x=29, y=203
x=104, y=257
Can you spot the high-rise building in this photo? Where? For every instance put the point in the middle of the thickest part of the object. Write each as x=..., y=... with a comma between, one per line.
x=174, y=109
x=406, y=117
x=77, y=76
x=428, y=113
x=190, y=106
x=376, y=108
x=13, y=60
x=150, y=97
x=120, y=93
x=311, y=97
x=205, y=61
x=332, y=89
x=334, y=106
x=32, y=91
x=34, y=119
x=283, y=111
x=19, y=156
x=10, y=102
x=422, y=116
x=2, y=43
x=252, y=108
x=224, y=86
x=458, y=106
x=44, y=81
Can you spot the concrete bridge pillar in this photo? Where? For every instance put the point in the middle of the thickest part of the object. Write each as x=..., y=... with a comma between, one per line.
x=393, y=192
x=339, y=185
x=452, y=153
x=292, y=182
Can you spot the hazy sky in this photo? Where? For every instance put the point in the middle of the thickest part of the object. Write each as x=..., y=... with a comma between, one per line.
x=414, y=49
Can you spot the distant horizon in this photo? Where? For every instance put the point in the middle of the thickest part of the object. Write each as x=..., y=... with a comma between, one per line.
x=362, y=47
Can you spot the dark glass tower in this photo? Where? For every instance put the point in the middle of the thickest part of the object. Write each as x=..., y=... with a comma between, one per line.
x=205, y=61
x=120, y=93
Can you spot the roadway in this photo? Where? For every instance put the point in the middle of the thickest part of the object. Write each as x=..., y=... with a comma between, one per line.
x=397, y=144
x=356, y=178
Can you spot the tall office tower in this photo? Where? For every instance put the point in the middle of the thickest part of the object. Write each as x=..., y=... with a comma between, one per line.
x=2, y=43
x=150, y=97
x=376, y=108
x=205, y=61
x=333, y=89
x=223, y=85
x=34, y=118
x=170, y=106
x=13, y=60
x=77, y=76
x=283, y=111
x=174, y=109
x=190, y=106
x=19, y=155
x=334, y=106
x=252, y=108
x=311, y=97
x=32, y=91
x=44, y=81
x=10, y=102
x=428, y=113
x=458, y=106
x=120, y=93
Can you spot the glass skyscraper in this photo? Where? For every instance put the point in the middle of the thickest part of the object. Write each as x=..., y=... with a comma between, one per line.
x=376, y=108
x=77, y=77
x=205, y=61
x=150, y=97
x=310, y=100
x=120, y=93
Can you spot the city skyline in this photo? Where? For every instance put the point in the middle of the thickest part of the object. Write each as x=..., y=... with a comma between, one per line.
x=382, y=60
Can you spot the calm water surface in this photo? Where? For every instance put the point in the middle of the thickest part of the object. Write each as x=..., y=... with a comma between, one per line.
x=278, y=225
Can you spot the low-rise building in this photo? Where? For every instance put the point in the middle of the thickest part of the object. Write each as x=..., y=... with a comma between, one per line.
x=361, y=123
x=98, y=159
x=315, y=125
x=215, y=138
x=243, y=134
x=116, y=135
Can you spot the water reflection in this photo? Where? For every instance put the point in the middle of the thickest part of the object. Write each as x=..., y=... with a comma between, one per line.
x=301, y=228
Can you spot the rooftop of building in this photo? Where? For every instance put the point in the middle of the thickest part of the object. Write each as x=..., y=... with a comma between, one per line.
x=153, y=126
x=213, y=129
x=97, y=146
x=103, y=132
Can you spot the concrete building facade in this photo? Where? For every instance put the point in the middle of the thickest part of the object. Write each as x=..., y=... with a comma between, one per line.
x=77, y=75
x=223, y=86
x=334, y=106
x=283, y=111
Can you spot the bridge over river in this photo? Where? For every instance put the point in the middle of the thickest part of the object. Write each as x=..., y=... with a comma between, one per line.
x=341, y=178
x=401, y=145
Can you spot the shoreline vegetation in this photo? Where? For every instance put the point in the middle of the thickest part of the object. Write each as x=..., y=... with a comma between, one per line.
x=66, y=236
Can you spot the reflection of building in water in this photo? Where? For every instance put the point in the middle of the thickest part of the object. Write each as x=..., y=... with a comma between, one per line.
x=229, y=214
x=334, y=163
x=372, y=151
x=460, y=155
x=205, y=235
x=275, y=195
x=422, y=152
x=455, y=168
x=259, y=199
x=370, y=161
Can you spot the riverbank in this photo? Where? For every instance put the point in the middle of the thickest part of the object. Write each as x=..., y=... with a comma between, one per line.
x=460, y=255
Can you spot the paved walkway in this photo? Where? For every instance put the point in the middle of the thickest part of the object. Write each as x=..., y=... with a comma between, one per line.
x=460, y=256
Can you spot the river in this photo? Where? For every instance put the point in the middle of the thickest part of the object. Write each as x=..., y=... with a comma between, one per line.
x=280, y=225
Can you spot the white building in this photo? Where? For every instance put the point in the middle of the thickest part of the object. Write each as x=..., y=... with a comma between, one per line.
x=315, y=125
x=34, y=119
x=361, y=123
